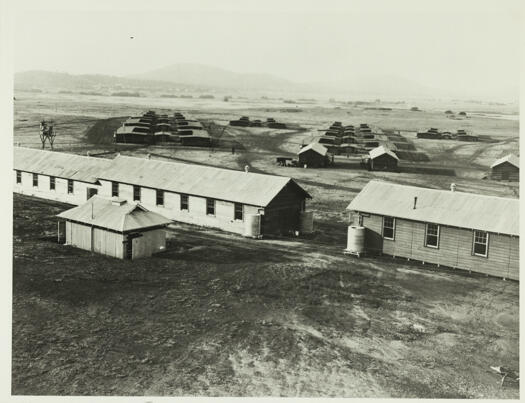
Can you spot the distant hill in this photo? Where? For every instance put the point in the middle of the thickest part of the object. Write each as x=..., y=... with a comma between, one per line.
x=81, y=82
x=198, y=74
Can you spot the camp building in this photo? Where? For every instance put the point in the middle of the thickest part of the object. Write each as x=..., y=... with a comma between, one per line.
x=506, y=169
x=456, y=229
x=67, y=178
x=114, y=227
x=314, y=155
x=207, y=196
x=382, y=159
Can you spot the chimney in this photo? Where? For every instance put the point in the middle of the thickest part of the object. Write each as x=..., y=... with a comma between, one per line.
x=452, y=187
x=148, y=156
x=415, y=202
x=246, y=168
x=88, y=153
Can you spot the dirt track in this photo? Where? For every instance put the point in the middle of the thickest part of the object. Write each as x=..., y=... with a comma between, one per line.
x=220, y=315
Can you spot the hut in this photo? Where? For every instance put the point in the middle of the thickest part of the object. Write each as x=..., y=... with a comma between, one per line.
x=52, y=175
x=133, y=134
x=461, y=230
x=113, y=227
x=314, y=155
x=208, y=196
x=506, y=169
x=382, y=159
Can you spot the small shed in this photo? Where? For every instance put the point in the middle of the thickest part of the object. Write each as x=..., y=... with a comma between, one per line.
x=113, y=227
x=382, y=159
x=506, y=169
x=313, y=155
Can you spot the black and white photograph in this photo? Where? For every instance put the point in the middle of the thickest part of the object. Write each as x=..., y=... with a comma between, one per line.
x=261, y=199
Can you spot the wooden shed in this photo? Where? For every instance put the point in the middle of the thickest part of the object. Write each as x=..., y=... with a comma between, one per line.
x=461, y=230
x=506, y=169
x=382, y=159
x=113, y=227
x=314, y=155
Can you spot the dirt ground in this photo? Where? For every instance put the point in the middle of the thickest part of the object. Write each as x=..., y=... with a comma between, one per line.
x=220, y=315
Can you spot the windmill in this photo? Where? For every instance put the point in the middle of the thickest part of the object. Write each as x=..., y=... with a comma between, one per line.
x=47, y=133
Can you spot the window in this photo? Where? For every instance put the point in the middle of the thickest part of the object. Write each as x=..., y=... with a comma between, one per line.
x=51, y=183
x=481, y=243
x=18, y=177
x=114, y=189
x=184, y=203
x=210, y=207
x=35, y=180
x=136, y=193
x=360, y=220
x=160, y=197
x=70, y=186
x=432, y=236
x=238, y=214
x=389, y=227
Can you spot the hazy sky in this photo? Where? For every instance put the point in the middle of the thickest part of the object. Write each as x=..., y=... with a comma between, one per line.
x=446, y=44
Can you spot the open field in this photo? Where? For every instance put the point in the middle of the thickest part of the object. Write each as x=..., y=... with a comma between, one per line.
x=220, y=315
x=217, y=314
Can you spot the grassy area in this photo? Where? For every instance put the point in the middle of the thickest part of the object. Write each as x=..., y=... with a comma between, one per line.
x=216, y=314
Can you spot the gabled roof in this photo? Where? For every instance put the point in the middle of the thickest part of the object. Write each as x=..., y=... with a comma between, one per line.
x=61, y=165
x=318, y=148
x=511, y=159
x=198, y=180
x=458, y=209
x=122, y=216
x=378, y=151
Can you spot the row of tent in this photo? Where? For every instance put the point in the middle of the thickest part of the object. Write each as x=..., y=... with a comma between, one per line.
x=152, y=128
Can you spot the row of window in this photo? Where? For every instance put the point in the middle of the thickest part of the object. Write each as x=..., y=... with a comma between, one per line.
x=184, y=201
x=52, y=182
x=480, y=239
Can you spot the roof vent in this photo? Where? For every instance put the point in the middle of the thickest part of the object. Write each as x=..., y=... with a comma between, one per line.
x=88, y=153
x=148, y=156
x=415, y=202
x=117, y=202
x=246, y=168
x=452, y=187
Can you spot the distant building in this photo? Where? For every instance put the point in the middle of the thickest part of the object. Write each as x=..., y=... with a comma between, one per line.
x=382, y=159
x=456, y=229
x=68, y=178
x=506, y=169
x=314, y=155
x=114, y=227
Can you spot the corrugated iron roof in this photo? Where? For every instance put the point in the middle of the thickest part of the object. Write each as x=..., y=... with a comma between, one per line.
x=222, y=184
x=122, y=217
x=61, y=165
x=318, y=148
x=511, y=159
x=458, y=209
x=378, y=151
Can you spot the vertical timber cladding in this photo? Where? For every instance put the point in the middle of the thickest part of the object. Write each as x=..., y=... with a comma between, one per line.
x=281, y=216
x=454, y=248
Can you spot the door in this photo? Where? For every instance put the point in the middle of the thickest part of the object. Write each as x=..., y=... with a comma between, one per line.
x=129, y=248
x=91, y=192
x=61, y=232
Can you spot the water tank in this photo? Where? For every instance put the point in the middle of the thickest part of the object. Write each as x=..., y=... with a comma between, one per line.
x=306, y=222
x=252, y=226
x=356, y=239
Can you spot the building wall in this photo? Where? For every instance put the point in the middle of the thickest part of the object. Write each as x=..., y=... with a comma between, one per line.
x=455, y=247
x=505, y=171
x=108, y=243
x=282, y=215
x=383, y=162
x=60, y=193
x=312, y=159
x=224, y=210
x=149, y=243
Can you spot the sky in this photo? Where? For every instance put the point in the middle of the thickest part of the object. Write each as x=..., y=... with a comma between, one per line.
x=440, y=44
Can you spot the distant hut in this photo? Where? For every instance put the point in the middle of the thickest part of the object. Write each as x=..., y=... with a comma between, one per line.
x=114, y=227
x=382, y=159
x=506, y=169
x=314, y=155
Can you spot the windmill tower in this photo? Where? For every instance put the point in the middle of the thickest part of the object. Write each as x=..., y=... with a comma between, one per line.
x=47, y=133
